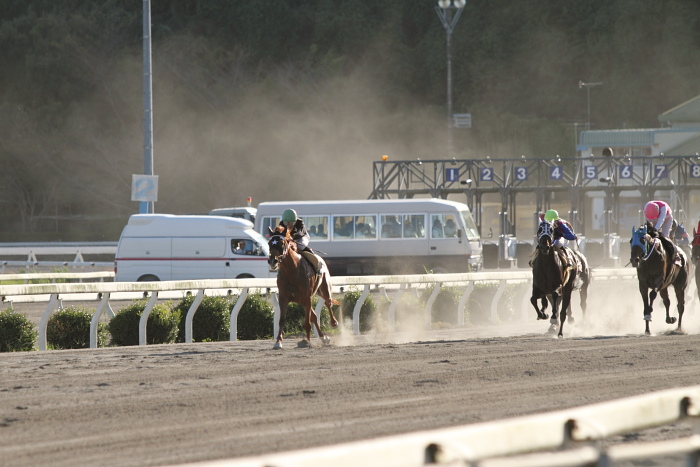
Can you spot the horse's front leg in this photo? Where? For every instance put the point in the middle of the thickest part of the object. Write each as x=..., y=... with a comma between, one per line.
x=556, y=301
x=565, y=305
x=537, y=294
x=680, y=297
x=284, y=303
x=648, y=302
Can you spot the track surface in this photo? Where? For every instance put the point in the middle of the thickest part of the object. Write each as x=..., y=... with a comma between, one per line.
x=170, y=404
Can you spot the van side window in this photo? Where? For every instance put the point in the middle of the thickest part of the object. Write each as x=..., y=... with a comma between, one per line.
x=317, y=226
x=240, y=246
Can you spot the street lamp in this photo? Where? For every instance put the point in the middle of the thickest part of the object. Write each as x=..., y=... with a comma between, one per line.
x=588, y=87
x=449, y=12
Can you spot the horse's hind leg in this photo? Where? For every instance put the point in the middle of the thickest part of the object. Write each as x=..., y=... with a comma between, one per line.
x=536, y=295
x=326, y=294
x=565, y=305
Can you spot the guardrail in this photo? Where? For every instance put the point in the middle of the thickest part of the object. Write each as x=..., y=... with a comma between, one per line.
x=486, y=444
x=54, y=293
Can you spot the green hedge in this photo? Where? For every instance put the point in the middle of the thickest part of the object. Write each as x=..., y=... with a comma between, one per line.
x=211, y=322
x=70, y=329
x=255, y=319
x=161, y=328
x=17, y=332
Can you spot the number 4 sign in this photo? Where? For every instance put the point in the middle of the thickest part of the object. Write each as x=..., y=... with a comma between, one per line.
x=144, y=188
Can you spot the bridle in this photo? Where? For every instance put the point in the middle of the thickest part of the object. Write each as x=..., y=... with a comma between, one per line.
x=544, y=231
x=641, y=240
x=273, y=243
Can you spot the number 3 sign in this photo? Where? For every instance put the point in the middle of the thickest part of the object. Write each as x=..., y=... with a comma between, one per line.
x=144, y=188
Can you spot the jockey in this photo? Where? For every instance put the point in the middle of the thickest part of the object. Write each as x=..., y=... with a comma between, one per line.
x=297, y=229
x=563, y=232
x=659, y=213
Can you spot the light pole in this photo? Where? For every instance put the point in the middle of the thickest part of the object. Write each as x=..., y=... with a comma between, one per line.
x=449, y=12
x=588, y=87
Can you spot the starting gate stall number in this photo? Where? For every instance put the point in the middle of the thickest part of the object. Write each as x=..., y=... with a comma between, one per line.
x=590, y=172
x=556, y=172
x=625, y=172
x=521, y=173
x=661, y=171
x=695, y=171
x=486, y=174
x=451, y=175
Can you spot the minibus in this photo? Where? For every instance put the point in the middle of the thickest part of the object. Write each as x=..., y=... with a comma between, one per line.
x=395, y=236
x=163, y=247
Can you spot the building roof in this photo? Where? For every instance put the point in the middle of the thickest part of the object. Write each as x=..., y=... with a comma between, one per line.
x=686, y=148
x=617, y=138
x=688, y=111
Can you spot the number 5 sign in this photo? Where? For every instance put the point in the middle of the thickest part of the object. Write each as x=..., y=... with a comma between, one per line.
x=144, y=188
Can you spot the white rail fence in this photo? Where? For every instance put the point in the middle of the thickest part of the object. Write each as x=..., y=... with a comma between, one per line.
x=570, y=436
x=55, y=293
x=32, y=252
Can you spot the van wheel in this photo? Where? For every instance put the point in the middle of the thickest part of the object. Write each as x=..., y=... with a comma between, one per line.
x=148, y=278
x=245, y=276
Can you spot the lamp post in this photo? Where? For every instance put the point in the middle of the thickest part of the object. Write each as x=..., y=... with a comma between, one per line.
x=588, y=87
x=449, y=12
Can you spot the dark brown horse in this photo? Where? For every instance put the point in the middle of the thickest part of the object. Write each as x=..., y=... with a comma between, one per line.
x=298, y=282
x=551, y=277
x=657, y=269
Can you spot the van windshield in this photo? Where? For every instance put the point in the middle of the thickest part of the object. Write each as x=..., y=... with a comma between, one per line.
x=471, y=231
x=260, y=240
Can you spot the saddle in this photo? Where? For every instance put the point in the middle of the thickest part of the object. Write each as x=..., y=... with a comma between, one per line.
x=314, y=260
x=671, y=250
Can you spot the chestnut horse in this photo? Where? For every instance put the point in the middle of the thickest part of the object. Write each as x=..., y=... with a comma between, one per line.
x=657, y=269
x=298, y=282
x=551, y=277
x=695, y=256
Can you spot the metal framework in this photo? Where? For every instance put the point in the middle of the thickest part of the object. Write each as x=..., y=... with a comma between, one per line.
x=677, y=175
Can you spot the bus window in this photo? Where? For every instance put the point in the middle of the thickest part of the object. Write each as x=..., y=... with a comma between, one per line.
x=391, y=226
x=413, y=226
x=365, y=227
x=317, y=226
x=343, y=227
x=271, y=223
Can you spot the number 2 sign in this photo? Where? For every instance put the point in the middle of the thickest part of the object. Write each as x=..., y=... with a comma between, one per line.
x=144, y=188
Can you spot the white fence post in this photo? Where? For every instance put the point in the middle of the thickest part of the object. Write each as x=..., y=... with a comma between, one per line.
x=190, y=315
x=54, y=303
x=358, y=307
x=234, y=314
x=144, y=317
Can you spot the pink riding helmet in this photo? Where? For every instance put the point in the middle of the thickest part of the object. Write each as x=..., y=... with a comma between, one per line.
x=651, y=210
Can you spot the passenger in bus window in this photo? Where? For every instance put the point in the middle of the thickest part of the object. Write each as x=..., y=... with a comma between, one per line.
x=320, y=231
x=408, y=230
x=437, y=228
x=312, y=231
x=450, y=228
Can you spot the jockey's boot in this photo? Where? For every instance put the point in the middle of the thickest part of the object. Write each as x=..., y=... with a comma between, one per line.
x=532, y=261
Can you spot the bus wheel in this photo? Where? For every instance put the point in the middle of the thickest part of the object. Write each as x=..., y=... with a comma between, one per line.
x=148, y=278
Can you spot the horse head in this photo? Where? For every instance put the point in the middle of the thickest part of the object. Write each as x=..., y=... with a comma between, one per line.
x=640, y=245
x=545, y=236
x=695, y=245
x=278, y=245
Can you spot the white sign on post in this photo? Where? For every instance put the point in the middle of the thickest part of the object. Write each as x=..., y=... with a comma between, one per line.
x=144, y=188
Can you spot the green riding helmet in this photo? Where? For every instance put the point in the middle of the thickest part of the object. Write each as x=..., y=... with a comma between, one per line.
x=551, y=215
x=290, y=215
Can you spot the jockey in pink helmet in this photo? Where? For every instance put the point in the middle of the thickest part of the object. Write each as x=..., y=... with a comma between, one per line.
x=659, y=213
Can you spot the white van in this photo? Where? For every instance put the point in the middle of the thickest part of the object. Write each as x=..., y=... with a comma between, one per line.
x=246, y=212
x=395, y=236
x=163, y=247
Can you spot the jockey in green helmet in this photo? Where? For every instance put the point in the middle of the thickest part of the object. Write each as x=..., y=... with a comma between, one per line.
x=297, y=229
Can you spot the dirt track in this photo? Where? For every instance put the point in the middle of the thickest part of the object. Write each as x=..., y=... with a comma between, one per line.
x=169, y=404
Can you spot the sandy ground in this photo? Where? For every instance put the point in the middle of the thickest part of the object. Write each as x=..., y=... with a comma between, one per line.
x=172, y=404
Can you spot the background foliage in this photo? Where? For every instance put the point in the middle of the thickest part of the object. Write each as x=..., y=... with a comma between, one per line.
x=330, y=85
